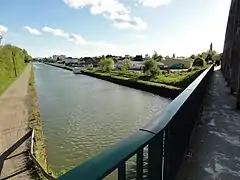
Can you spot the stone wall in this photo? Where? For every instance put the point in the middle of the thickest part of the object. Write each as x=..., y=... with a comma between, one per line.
x=231, y=56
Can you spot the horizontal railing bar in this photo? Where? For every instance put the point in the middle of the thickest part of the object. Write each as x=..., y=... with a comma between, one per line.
x=103, y=164
x=163, y=118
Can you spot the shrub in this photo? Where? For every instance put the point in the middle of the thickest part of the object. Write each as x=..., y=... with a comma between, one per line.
x=199, y=62
x=150, y=68
x=106, y=64
x=126, y=65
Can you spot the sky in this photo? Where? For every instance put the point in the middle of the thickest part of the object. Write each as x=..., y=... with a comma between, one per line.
x=120, y=27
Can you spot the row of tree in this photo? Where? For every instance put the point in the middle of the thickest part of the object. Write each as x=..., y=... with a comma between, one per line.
x=207, y=55
x=150, y=67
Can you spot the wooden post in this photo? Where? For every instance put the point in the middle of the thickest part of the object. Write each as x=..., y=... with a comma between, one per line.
x=14, y=64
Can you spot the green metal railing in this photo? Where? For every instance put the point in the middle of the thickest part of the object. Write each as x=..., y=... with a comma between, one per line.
x=167, y=138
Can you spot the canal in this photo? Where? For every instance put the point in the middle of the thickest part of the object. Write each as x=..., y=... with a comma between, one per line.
x=82, y=115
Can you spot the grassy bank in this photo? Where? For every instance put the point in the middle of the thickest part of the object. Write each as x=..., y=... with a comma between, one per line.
x=10, y=55
x=167, y=85
x=156, y=88
x=36, y=124
x=180, y=79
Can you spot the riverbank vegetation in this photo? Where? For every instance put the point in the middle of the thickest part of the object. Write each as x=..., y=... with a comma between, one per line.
x=150, y=74
x=36, y=124
x=12, y=64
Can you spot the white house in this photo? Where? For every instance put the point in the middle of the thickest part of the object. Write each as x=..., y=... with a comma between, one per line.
x=71, y=60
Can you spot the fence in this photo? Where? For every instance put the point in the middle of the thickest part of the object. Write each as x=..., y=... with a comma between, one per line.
x=167, y=138
x=16, y=145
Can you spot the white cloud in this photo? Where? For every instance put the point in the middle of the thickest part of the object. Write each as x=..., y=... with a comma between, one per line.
x=32, y=30
x=153, y=3
x=76, y=38
x=3, y=29
x=113, y=10
x=56, y=32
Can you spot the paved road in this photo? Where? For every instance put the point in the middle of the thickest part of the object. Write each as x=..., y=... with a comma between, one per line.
x=215, y=143
x=14, y=106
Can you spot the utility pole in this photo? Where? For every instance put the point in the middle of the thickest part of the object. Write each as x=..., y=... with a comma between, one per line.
x=14, y=64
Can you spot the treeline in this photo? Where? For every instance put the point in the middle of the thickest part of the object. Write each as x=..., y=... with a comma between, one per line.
x=12, y=62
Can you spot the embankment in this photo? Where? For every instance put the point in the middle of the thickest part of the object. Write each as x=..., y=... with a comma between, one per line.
x=156, y=88
x=36, y=124
x=60, y=66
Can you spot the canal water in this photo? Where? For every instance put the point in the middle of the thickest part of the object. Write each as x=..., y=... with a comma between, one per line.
x=82, y=116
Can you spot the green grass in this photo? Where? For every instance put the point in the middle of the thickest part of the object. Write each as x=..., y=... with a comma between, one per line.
x=36, y=124
x=7, y=74
x=173, y=80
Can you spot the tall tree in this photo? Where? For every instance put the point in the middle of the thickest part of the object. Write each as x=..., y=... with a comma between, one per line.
x=155, y=56
x=193, y=56
x=150, y=68
x=211, y=47
x=167, y=57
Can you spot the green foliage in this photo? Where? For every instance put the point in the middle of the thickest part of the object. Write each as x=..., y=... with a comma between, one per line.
x=150, y=68
x=193, y=56
x=156, y=56
x=204, y=55
x=167, y=57
x=61, y=172
x=199, y=62
x=160, y=57
x=7, y=73
x=178, y=80
x=126, y=65
x=106, y=64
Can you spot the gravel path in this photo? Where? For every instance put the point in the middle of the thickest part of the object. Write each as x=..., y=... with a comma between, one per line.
x=14, y=109
x=215, y=144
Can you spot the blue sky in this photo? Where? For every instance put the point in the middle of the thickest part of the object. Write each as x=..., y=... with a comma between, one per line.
x=95, y=27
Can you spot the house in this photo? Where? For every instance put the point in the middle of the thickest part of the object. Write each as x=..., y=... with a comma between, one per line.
x=69, y=61
x=186, y=62
x=89, y=61
x=58, y=57
x=135, y=65
x=138, y=58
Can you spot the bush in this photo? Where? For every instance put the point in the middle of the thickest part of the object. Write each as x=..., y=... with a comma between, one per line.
x=199, y=62
x=126, y=65
x=106, y=64
x=150, y=68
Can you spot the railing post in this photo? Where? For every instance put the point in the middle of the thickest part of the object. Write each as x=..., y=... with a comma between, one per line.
x=155, y=156
x=122, y=171
x=166, y=153
x=140, y=164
